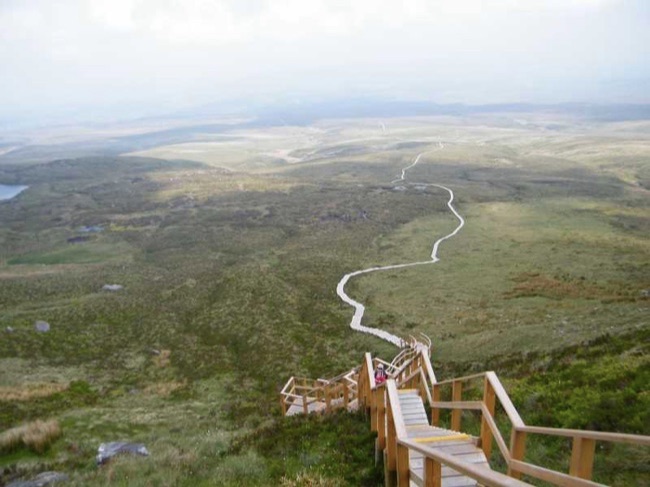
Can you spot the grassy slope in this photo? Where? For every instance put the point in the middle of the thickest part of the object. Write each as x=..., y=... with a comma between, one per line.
x=233, y=275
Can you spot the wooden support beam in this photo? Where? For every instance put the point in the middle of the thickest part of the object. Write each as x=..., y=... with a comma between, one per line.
x=582, y=458
x=374, y=400
x=432, y=473
x=435, y=412
x=517, y=450
x=456, y=396
x=489, y=399
x=391, y=440
x=403, y=472
x=381, y=420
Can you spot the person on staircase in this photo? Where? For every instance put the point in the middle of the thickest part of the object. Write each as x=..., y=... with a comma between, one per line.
x=380, y=374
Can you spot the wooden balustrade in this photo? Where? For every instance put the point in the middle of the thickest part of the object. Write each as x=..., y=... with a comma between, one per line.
x=583, y=442
x=412, y=369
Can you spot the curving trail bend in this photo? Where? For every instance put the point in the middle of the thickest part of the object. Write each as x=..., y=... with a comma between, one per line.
x=359, y=308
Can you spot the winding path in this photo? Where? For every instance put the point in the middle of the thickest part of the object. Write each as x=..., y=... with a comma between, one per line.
x=359, y=308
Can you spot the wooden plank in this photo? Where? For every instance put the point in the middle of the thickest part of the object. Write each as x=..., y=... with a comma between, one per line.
x=413, y=410
x=430, y=431
x=593, y=435
x=504, y=399
x=477, y=472
x=457, y=404
x=433, y=439
x=415, y=414
x=416, y=420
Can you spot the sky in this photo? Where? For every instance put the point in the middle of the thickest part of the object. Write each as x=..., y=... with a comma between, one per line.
x=134, y=57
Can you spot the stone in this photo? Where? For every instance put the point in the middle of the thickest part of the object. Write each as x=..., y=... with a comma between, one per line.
x=91, y=229
x=43, y=479
x=42, y=326
x=106, y=451
x=9, y=329
x=112, y=287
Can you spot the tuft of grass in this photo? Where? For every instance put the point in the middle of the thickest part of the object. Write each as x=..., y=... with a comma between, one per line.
x=36, y=436
x=28, y=392
x=162, y=359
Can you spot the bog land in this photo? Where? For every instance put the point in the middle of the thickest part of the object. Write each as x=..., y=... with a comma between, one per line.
x=228, y=245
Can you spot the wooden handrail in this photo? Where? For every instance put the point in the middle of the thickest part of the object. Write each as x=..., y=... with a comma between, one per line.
x=429, y=369
x=588, y=434
x=412, y=368
x=503, y=448
x=504, y=399
x=393, y=399
x=483, y=475
x=461, y=379
x=582, y=456
x=425, y=385
x=409, y=377
x=477, y=405
x=369, y=367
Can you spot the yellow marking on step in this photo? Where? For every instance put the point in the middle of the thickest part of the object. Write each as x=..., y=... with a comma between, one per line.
x=432, y=439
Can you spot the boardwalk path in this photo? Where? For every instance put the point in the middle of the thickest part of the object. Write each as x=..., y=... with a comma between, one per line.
x=359, y=308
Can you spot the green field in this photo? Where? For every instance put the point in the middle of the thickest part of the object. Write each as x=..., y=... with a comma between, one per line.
x=229, y=249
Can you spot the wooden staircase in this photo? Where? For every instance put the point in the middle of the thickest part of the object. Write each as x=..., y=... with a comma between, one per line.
x=417, y=450
x=455, y=443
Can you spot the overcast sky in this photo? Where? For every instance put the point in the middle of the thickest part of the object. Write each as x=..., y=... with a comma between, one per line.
x=156, y=54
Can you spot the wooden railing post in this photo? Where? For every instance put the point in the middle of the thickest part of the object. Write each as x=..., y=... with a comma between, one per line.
x=374, y=398
x=346, y=395
x=456, y=396
x=432, y=473
x=305, y=407
x=403, y=473
x=381, y=420
x=489, y=399
x=391, y=440
x=517, y=450
x=582, y=457
x=435, y=411
x=328, y=399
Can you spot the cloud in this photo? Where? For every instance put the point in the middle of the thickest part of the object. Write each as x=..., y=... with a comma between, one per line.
x=230, y=21
x=118, y=51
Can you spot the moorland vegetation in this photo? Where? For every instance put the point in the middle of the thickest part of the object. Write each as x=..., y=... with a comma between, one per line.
x=228, y=251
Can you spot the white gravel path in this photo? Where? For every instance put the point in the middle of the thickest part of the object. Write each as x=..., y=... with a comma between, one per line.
x=359, y=308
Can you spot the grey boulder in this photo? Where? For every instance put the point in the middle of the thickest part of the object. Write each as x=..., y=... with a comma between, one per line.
x=106, y=451
x=42, y=326
x=41, y=480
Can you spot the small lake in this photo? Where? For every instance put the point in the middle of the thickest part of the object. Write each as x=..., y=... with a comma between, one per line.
x=8, y=192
